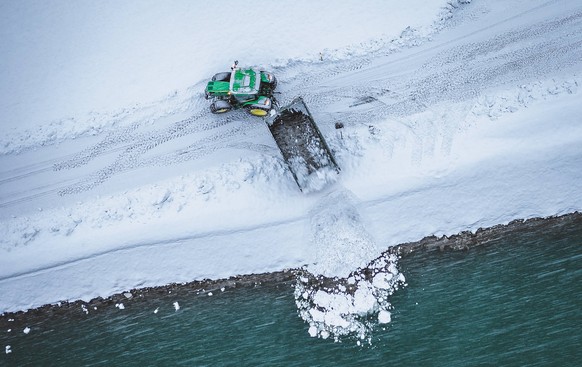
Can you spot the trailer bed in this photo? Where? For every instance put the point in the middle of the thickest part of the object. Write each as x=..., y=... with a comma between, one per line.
x=303, y=147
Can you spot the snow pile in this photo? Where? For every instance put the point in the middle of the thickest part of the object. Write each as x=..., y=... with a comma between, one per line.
x=314, y=181
x=319, y=179
x=341, y=242
x=351, y=306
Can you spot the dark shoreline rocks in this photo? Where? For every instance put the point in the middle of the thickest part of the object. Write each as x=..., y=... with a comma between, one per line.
x=463, y=241
x=485, y=236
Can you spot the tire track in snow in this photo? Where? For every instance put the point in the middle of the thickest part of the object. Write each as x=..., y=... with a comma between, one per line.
x=132, y=157
x=129, y=158
x=127, y=136
x=459, y=74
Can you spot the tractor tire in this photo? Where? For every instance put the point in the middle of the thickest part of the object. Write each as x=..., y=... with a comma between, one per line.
x=273, y=84
x=269, y=88
x=221, y=77
x=220, y=107
x=257, y=111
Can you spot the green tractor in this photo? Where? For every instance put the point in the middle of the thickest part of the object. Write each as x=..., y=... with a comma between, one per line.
x=250, y=89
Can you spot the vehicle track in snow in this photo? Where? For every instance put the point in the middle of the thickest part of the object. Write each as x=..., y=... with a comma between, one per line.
x=130, y=145
x=134, y=158
x=458, y=71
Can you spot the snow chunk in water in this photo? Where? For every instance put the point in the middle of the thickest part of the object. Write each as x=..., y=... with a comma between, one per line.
x=312, y=332
x=337, y=307
x=176, y=306
x=384, y=317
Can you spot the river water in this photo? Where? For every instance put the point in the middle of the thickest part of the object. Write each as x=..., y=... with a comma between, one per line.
x=516, y=302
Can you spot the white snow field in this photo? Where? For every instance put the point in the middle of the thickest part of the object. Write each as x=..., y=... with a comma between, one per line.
x=114, y=175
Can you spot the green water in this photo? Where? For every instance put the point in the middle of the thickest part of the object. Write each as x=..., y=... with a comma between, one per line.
x=515, y=303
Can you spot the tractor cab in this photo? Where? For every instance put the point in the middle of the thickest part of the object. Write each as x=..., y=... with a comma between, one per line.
x=244, y=83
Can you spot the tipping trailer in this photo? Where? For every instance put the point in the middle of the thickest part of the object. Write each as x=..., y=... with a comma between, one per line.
x=303, y=147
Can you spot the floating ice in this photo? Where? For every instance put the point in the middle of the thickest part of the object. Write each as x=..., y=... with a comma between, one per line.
x=26, y=330
x=120, y=306
x=176, y=306
x=312, y=331
x=384, y=317
x=8, y=350
x=337, y=307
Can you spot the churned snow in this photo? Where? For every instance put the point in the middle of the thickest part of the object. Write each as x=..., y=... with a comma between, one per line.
x=451, y=116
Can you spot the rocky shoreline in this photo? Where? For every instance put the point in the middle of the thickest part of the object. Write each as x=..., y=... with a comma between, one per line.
x=463, y=241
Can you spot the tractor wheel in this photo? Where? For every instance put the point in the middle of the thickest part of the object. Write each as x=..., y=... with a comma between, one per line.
x=220, y=107
x=269, y=88
x=273, y=84
x=256, y=111
x=221, y=77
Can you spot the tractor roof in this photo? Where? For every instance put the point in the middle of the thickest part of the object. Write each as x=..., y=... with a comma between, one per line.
x=245, y=81
x=217, y=87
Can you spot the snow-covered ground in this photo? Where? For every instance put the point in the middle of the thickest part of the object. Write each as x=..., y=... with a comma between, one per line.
x=114, y=175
